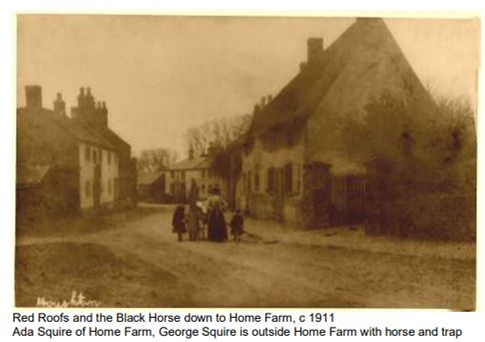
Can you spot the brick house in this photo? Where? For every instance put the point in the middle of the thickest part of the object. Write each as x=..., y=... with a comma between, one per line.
x=70, y=164
x=293, y=166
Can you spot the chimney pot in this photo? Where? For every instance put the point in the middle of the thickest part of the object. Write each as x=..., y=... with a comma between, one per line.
x=33, y=97
x=302, y=66
x=314, y=49
x=59, y=105
x=191, y=152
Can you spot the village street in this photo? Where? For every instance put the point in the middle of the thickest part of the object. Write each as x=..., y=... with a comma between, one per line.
x=137, y=262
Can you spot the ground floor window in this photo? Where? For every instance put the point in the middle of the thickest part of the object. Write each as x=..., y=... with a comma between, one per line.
x=270, y=186
x=288, y=178
x=256, y=181
x=88, y=189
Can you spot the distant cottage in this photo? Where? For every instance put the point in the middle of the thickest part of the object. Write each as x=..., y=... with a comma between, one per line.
x=151, y=187
x=292, y=165
x=66, y=164
x=193, y=176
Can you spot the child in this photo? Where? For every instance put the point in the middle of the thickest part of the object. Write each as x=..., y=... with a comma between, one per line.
x=237, y=225
x=178, y=221
x=193, y=223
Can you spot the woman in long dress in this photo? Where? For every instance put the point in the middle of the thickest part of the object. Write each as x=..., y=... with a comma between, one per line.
x=216, y=205
x=178, y=221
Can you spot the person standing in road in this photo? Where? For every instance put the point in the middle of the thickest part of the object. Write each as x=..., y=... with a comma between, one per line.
x=178, y=221
x=216, y=205
x=237, y=225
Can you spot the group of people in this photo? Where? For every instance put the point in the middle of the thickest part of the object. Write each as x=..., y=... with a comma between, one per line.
x=210, y=216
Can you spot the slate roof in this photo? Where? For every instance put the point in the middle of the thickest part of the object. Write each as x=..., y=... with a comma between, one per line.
x=75, y=128
x=146, y=178
x=191, y=164
x=367, y=47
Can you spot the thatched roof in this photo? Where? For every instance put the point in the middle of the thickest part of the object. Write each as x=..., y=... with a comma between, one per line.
x=362, y=64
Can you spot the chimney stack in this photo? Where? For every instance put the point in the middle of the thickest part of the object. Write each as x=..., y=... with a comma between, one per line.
x=315, y=50
x=191, y=152
x=90, y=103
x=81, y=98
x=104, y=112
x=33, y=95
x=60, y=105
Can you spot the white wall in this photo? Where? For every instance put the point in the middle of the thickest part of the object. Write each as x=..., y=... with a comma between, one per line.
x=109, y=172
x=202, y=177
x=260, y=159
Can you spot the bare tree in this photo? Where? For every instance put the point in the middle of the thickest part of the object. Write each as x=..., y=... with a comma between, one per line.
x=220, y=132
x=153, y=160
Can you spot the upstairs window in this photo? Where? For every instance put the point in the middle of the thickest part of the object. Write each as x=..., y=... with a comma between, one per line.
x=95, y=157
x=87, y=154
x=270, y=186
x=109, y=157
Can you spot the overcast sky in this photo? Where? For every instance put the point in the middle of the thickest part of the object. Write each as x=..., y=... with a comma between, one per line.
x=160, y=75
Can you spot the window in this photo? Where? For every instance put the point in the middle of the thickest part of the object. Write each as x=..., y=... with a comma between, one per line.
x=101, y=156
x=110, y=186
x=109, y=157
x=256, y=181
x=288, y=178
x=203, y=173
x=249, y=181
x=202, y=188
x=115, y=187
x=297, y=180
x=88, y=189
x=95, y=157
x=87, y=154
x=270, y=186
x=172, y=174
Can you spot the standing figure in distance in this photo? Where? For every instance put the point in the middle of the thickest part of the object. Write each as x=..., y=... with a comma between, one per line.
x=178, y=221
x=216, y=205
x=193, y=222
x=237, y=225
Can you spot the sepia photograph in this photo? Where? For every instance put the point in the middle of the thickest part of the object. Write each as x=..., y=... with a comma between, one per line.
x=237, y=161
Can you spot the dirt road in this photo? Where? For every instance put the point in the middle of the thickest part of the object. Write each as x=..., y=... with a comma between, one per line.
x=139, y=263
